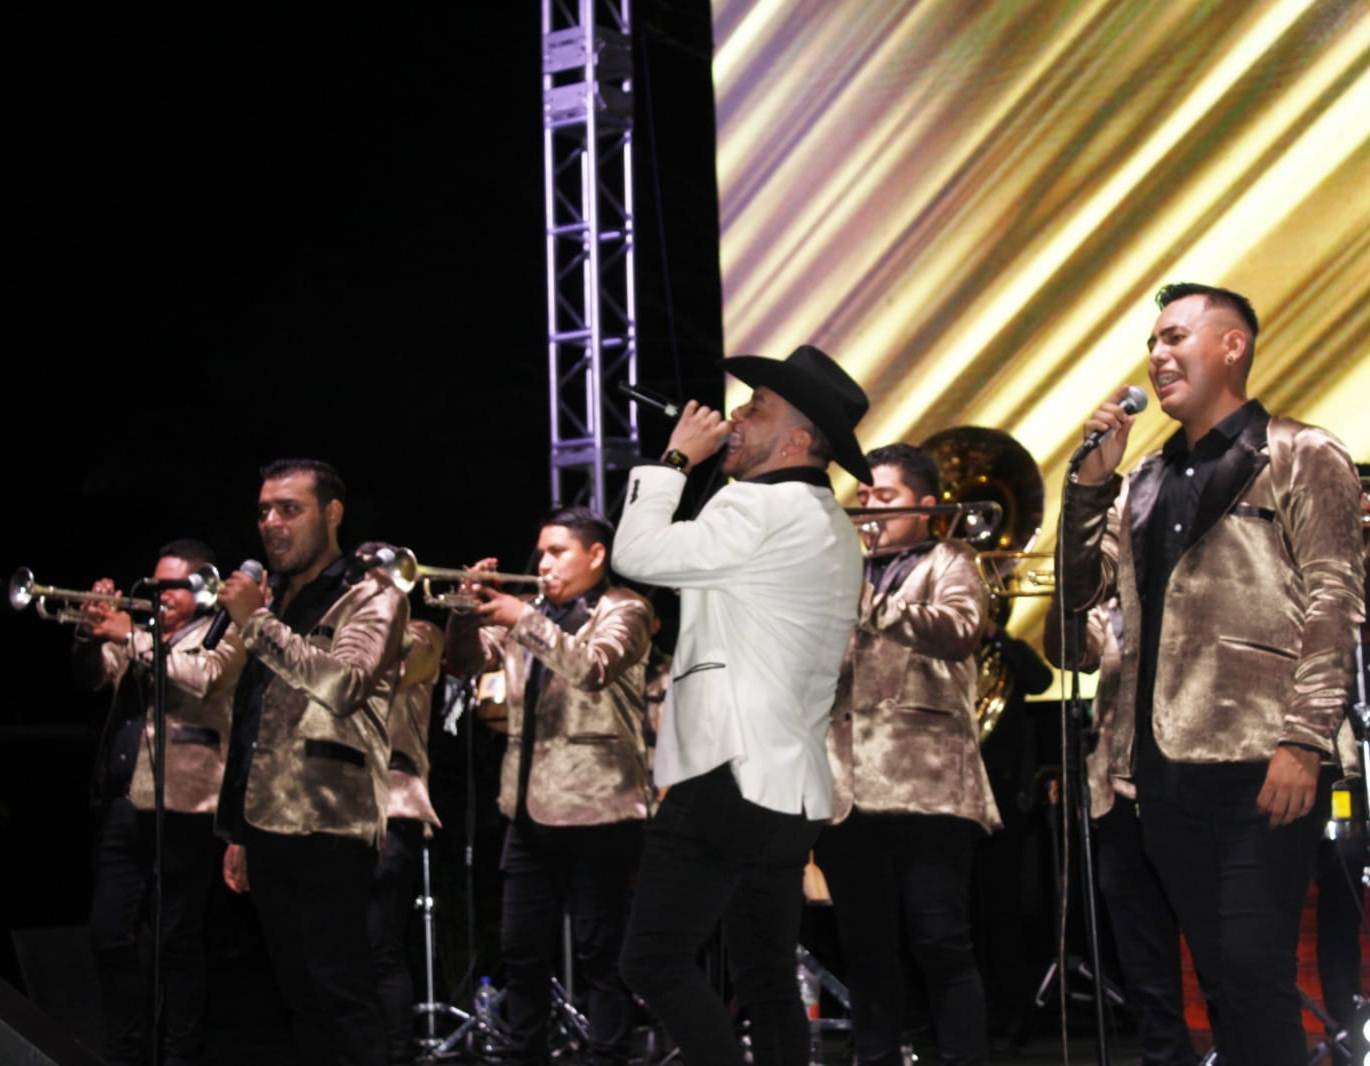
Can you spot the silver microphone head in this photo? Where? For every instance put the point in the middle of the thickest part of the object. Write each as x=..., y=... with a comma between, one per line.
x=1135, y=400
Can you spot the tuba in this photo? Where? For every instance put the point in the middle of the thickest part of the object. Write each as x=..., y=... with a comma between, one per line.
x=987, y=465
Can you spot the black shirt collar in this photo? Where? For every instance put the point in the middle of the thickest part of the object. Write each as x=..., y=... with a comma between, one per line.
x=810, y=475
x=1218, y=439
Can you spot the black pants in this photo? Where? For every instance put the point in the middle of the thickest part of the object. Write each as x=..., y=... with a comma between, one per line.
x=712, y=856
x=1147, y=936
x=548, y=871
x=123, y=901
x=393, y=889
x=1238, y=887
x=311, y=895
x=888, y=870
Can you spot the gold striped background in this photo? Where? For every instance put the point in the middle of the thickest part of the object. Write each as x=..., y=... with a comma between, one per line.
x=971, y=204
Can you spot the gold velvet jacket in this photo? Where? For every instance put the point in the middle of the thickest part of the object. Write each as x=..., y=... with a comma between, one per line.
x=199, y=709
x=321, y=758
x=410, y=711
x=589, y=758
x=903, y=734
x=1256, y=638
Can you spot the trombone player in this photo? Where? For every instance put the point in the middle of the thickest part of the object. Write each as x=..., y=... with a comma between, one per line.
x=111, y=652
x=574, y=780
x=911, y=798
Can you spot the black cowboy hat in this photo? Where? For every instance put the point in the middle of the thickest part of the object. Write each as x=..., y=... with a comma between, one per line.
x=821, y=390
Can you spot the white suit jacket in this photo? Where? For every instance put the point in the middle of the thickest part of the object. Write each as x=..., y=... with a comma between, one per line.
x=770, y=580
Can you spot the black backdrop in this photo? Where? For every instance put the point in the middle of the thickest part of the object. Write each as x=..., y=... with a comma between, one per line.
x=244, y=235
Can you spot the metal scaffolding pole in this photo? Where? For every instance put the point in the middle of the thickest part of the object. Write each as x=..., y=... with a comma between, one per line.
x=587, y=135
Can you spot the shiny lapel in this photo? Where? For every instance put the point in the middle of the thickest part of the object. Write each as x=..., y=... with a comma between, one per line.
x=1143, y=489
x=1240, y=463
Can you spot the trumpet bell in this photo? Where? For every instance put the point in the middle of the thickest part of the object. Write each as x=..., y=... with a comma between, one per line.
x=21, y=588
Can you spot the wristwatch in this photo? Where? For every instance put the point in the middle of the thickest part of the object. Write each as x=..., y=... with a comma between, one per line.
x=676, y=459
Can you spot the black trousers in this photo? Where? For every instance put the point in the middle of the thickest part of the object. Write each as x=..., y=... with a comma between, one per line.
x=1238, y=887
x=1147, y=935
x=311, y=895
x=585, y=871
x=712, y=856
x=394, y=887
x=122, y=903
x=888, y=870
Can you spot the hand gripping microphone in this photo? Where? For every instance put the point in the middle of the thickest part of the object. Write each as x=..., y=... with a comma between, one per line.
x=1134, y=401
x=219, y=626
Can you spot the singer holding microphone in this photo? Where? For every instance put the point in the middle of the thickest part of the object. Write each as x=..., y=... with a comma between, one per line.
x=304, y=793
x=1235, y=552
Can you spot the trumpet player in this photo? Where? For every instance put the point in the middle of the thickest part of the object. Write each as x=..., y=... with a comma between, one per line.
x=574, y=780
x=304, y=795
x=111, y=651
x=911, y=797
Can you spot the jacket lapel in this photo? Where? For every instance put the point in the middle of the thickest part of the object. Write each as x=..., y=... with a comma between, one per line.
x=1239, y=464
x=1142, y=492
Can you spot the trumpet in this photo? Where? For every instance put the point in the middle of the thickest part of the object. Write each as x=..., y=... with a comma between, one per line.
x=972, y=520
x=204, y=585
x=24, y=590
x=403, y=569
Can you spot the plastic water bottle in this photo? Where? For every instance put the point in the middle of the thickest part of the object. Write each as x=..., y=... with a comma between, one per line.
x=809, y=990
x=485, y=1003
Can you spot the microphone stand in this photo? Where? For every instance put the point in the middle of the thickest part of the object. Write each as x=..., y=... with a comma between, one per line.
x=1076, y=801
x=159, y=677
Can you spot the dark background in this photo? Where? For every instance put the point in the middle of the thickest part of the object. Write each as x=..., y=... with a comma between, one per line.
x=244, y=235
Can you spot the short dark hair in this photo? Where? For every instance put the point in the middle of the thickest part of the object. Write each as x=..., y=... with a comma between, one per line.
x=917, y=469
x=328, y=483
x=196, y=553
x=821, y=448
x=588, y=527
x=1212, y=294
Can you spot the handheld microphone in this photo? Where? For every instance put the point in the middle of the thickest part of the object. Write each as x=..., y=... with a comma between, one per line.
x=1134, y=401
x=219, y=626
x=669, y=408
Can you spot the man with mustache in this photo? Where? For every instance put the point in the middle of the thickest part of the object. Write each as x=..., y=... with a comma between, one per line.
x=574, y=779
x=769, y=575
x=111, y=651
x=1235, y=553
x=304, y=794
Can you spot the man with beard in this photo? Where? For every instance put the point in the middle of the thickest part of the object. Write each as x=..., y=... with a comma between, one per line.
x=912, y=798
x=574, y=780
x=304, y=793
x=111, y=651
x=1235, y=553
x=769, y=575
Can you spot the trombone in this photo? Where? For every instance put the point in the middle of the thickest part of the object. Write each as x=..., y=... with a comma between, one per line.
x=404, y=571
x=204, y=586
x=1009, y=574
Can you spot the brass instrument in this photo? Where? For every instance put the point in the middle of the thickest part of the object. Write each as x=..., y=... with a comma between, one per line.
x=987, y=465
x=968, y=519
x=404, y=571
x=1018, y=579
x=204, y=586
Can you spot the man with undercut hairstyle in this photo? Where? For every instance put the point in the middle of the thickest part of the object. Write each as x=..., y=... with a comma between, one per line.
x=574, y=780
x=304, y=794
x=912, y=798
x=110, y=651
x=1235, y=553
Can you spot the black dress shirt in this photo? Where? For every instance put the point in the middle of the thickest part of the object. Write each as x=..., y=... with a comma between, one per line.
x=309, y=605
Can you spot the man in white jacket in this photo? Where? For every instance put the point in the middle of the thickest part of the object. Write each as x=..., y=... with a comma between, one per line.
x=769, y=576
